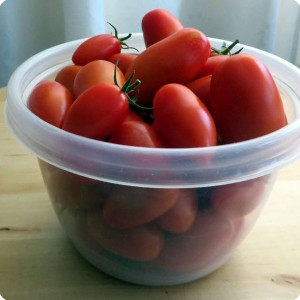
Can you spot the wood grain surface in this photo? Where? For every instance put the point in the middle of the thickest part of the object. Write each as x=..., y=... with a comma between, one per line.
x=37, y=261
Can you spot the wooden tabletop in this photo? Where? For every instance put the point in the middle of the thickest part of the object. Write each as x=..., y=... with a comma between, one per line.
x=37, y=261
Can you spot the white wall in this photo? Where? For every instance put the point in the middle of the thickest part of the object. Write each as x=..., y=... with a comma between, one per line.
x=29, y=26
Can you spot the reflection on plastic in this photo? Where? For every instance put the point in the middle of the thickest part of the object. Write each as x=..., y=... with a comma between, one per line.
x=1, y=2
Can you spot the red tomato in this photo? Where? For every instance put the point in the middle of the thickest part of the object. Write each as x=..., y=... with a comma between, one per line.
x=158, y=24
x=98, y=71
x=211, y=65
x=136, y=133
x=50, y=101
x=206, y=242
x=201, y=88
x=180, y=217
x=97, y=112
x=66, y=76
x=239, y=199
x=129, y=206
x=101, y=46
x=123, y=59
x=181, y=119
x=141, y=243
x=245, y=101
x=175, y=59
x=133, y=116
x=66, y=190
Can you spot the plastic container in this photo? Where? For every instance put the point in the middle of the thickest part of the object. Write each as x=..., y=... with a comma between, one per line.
x=118, y=203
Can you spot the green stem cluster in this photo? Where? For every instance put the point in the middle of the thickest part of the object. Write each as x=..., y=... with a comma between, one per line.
x=123, y=39
x=227, y=50
x=130, y=87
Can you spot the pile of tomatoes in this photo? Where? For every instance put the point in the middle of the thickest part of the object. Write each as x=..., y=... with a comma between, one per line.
x=178, y=93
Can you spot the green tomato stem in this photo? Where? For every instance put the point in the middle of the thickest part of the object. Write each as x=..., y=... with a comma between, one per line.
x=227, y=50
x=129, y=87
x=121, y=40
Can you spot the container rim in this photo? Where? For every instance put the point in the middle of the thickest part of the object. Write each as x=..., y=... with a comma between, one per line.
x=150, y=167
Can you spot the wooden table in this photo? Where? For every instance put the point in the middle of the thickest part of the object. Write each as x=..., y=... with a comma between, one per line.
x=37, y=261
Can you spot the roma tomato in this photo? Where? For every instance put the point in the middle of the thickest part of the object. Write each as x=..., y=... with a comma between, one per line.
x=136, y=133
x=50, y=101
x=130, y=206
x=101, y=46
x=207, y=241
x=123, y=59
x=133, y=116
x=68, y=192
x=211, y=64
x=175, y=59
x=97, y=112
x=181, y=119
x=97, y=71
x=140, y=243
x=66, y=76
x=158, y=24
x=201, y=88
x=239, y=199
x=245, y=101
x=97, y=47
x=180, y=217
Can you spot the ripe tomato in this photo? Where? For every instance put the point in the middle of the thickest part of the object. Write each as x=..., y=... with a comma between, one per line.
x=133, y=116
x=211, y=64
x=66, y=76
x=201, y=88
x=123, y=59
x=245, y=101
x=136, y=133
x=97, y=111
x=158, y=24
x=180, y=217
x=239, y=199
x=101, y=46
x=50, y=101
x=181, y=119
x=97, y=71
x=140, y=243
x=207, y=241
x=175, y=59
x=130, y=206
x=97, y=47
x=69, y=191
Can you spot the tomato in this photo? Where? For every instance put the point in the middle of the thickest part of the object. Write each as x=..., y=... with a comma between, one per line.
x=181, y=119
x=175, y=59
x=69, y=192
x=130, y=206
x=211, y=64
x=180, y=217
x=239, y=199
x=158, y=24
x=50, y=101
x=141, y=243
x=66, y=76
x=245, y=101
x=97, y=111
x=97, y=47
x=136, y=133
x=201, y=88
x=97, y=71
x=206, y=242
x=101, y=47
x=123, y=59
x=133, y=116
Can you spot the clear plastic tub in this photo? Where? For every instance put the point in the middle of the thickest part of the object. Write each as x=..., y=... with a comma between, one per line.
x=87, y=179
